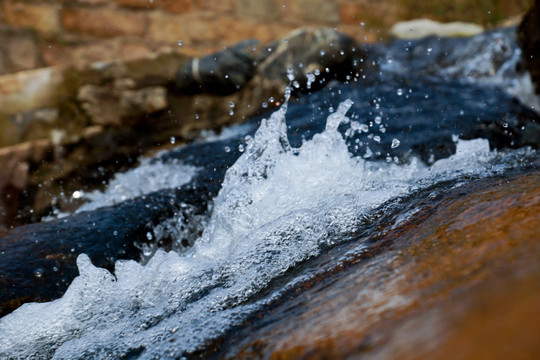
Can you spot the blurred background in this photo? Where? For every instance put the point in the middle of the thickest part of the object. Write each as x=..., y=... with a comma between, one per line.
x=37, y=33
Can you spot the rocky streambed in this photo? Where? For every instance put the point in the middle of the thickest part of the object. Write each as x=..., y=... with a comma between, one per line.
x=390, y=214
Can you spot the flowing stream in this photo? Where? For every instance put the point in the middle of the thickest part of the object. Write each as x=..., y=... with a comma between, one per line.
x=316, y=172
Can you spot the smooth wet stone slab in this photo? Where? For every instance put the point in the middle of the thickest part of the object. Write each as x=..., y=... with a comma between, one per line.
x=458, y=278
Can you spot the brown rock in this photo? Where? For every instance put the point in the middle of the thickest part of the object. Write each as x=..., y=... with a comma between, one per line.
x=137, y=4
x=90, y=52
x=163, y=28
x=94, y=2
x=41, y=17
x=320, y=11
x=103, y=22
x=131, y=50
x=29, y=90
x=220, y=6
x=233, y=30
x=352, y=13
x=21, y=50
x=200, y=28
x=120, y=105
x=262, y=9
x=177, y=6
x=460, y=279
x=15, y=162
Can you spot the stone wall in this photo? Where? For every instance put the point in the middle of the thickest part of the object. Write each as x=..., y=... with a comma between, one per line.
x=38, y=33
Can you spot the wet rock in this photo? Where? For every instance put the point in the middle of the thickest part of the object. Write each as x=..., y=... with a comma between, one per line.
x=417, y=29
x=222, y=73
x=313, y=56
x=458, y=278
x=529, y=40
x=38, y=261
x=16, y=163
x=119, y=105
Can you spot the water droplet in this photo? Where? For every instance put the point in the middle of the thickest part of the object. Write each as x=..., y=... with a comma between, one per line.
x=399, y=92
x=264, y=105
x=231, y=112
x=149, y=235
x=180, y=43
x=173, y=140
x=323, y=52
x=290, y=74
x=362, y=24
x=115, y=233
x=77, y=194
x=429, y=50
x=395, y=143
x=38, y=272
x=378, y=119
x=231, y=104
x=227, y=149
x=377, y=138
x=241, y=148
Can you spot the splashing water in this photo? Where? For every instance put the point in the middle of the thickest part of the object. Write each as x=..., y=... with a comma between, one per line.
x=278, y=207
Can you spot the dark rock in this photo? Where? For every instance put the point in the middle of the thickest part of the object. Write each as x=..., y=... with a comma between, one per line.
x=529, y=40
x=38, y=261
x=222, y=73
x=320, y=52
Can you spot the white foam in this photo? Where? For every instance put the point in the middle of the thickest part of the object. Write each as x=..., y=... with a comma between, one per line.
x=148, y=177
x=278, y=207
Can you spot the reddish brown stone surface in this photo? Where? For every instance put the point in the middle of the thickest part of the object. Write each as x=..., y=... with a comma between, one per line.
x=137, y=4
x=177, y=6
x=42, y=17
x=103, y=22
x=459, y=280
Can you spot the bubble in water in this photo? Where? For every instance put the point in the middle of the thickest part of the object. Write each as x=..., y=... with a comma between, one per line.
x=395, y=143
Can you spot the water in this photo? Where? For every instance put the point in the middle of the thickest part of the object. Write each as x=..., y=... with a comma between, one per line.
x=315, y=173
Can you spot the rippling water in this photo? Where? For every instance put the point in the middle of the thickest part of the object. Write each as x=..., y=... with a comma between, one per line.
x=316, y=172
